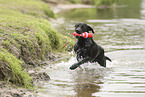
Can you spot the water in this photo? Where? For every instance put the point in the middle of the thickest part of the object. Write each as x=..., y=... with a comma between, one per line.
x=121, y=32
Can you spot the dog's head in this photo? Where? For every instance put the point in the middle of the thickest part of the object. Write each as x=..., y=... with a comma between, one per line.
x=82, y=27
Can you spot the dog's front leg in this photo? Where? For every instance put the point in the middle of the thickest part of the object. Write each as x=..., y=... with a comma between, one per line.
x=75, y=65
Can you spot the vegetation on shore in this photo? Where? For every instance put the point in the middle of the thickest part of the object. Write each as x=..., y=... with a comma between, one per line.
x=26, y=38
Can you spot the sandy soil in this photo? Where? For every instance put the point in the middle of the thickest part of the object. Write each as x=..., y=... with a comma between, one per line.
x=7, y=90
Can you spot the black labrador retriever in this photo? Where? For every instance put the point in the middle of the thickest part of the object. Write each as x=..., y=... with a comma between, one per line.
x=86, y=49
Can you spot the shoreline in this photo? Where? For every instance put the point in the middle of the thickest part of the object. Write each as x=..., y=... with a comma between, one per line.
x=59, y=7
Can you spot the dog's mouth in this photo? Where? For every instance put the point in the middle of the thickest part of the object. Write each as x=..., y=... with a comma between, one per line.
x=77, y=33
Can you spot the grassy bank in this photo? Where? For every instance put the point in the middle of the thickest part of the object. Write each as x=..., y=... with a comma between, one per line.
x=26, y=38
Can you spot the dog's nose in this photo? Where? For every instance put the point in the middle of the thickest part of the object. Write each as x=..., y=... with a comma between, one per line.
x=78, y=31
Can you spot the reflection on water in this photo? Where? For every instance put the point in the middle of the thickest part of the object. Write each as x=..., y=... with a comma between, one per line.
x=88, y=82
x=127, y=78
x=121, y=32
x=123, y=9
x=78, y=83
x=124, y=77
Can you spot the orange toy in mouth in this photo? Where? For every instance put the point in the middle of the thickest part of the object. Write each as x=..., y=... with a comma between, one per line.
x=84, y=35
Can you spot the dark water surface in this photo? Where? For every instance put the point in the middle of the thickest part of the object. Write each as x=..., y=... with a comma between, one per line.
x=121, y=32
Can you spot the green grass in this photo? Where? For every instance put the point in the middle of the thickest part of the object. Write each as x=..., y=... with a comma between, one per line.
x=26, y=38
x=35, y=8
x=11, y=69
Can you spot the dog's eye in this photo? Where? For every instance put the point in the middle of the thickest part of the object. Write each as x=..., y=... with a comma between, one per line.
x=76, y=26
x=82, y=27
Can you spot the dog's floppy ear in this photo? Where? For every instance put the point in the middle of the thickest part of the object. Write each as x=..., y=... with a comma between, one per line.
x=77, y=25
x=90, y=29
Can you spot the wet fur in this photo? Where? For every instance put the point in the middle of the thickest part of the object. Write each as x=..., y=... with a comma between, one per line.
x=86, y=49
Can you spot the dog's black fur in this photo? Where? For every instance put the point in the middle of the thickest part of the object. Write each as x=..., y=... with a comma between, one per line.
x=86, y=49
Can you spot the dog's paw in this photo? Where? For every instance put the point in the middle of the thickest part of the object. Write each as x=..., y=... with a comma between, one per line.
x=74, y=66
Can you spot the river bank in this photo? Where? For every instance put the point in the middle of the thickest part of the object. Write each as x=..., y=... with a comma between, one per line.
x=28, y=42
x=17, y=43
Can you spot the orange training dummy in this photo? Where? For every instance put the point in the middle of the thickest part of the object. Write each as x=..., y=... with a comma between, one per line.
x=84, y=35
